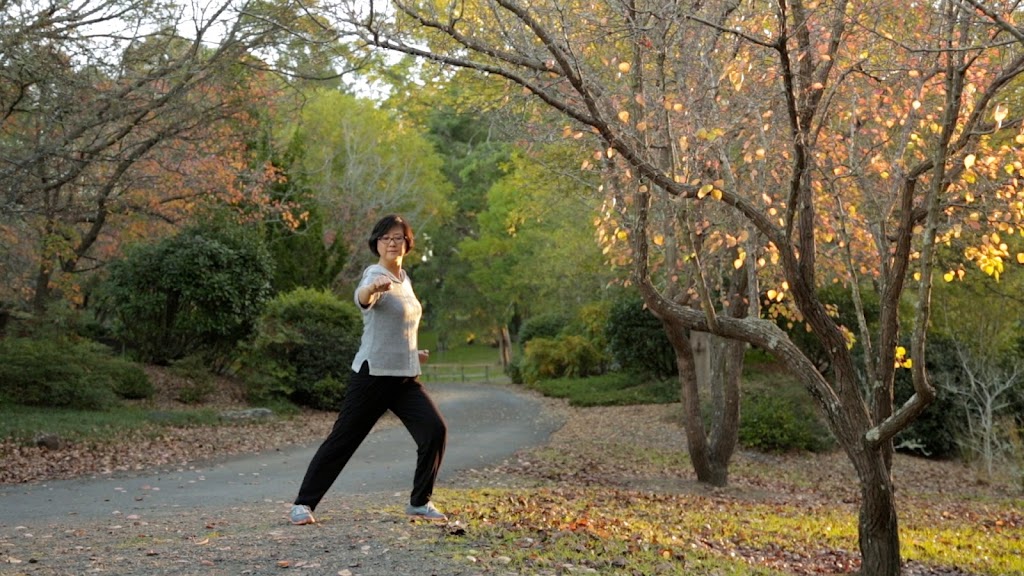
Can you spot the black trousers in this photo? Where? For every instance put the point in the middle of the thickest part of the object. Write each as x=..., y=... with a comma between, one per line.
x=366, y=400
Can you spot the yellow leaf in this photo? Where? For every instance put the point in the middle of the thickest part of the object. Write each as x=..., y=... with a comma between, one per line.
x=624, y=116
x=908, y=363
x=659, y=239
x=704, y=190
x=716, y=194
x=948, y=276
x=1020, y=257
x=969, y=161
x=624, y=67
x=621, y=235
x=771, y=294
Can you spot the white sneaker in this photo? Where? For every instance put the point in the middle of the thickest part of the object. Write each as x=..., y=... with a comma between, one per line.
x=301, y=514
x=428, y=512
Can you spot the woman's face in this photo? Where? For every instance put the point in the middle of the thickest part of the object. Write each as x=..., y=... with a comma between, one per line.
x=391, y=246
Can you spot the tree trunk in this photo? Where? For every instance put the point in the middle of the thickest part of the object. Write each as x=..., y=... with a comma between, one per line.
x=878, y=526
x=725, y=386
x=505, y=347
x=710, y=456
x=41, y=297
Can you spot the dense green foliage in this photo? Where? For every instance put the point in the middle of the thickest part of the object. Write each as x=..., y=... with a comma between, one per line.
x=637, y=340
x=63, y=374
x=933, y=433
x=303, y=349
x=548, y=325
x=773, y=421
x=474, y=158
x=565, y=356
x=198, y=291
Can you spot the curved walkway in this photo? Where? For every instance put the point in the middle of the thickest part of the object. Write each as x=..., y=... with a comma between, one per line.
x=486, y=424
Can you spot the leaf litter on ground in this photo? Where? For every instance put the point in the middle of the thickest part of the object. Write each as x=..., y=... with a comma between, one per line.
x=612, y=492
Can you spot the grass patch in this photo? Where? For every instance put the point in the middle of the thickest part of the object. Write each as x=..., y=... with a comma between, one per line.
x=623, y=532
x=608, y=531
x=613, y=389
x=23, y=423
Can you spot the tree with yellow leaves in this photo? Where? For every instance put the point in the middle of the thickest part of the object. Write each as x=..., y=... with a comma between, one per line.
x=754, y=152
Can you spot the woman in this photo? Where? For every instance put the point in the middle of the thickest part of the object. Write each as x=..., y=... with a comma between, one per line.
x=386, y=370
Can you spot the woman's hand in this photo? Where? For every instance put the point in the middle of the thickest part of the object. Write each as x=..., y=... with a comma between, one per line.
x=424, y=356
x=380, y=284
x=365, y=293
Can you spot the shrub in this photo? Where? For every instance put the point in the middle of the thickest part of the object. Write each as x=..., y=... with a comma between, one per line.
x=127, y=379
x=637, y=341
x=199, y=384
x=566, y=356
x=64, y=374
x=771, y=422
x=541, y=326
x=200, y=291
x=303, y=349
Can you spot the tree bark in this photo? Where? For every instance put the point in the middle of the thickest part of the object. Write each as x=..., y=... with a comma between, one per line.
x=877, y=523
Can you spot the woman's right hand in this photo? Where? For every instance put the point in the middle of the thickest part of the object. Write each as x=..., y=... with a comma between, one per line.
x=380, y=284
x=365, y=292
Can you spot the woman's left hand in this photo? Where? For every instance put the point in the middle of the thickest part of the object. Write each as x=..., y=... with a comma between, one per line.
x=424, y=356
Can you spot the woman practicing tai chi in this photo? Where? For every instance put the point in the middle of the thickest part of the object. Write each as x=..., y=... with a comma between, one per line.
x=385, y=377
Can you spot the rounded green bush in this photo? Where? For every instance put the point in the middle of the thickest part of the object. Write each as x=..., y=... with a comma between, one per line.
x=566, y=356
x=541, y=326
x=303, y=349
x=63, y=374
x=637, y=340
x=128, y=379
x=199, y=291
x=777, y=423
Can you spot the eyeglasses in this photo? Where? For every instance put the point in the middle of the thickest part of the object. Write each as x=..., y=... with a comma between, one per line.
x=392, y=239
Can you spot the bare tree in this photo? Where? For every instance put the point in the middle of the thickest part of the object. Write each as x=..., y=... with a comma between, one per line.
x=985, y=393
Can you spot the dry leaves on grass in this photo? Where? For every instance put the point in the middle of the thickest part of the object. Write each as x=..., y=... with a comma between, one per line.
x=620, y=474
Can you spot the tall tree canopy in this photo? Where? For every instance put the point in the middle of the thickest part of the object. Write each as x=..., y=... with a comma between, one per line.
x=117, y=111
x=360, y=163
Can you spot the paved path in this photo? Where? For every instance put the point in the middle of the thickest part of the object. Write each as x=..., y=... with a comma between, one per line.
x=486, y=424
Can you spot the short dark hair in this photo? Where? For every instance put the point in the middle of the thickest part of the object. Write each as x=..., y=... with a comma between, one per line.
x=384, y=225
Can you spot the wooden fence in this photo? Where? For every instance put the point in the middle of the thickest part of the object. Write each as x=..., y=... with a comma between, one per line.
x=463, y=373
